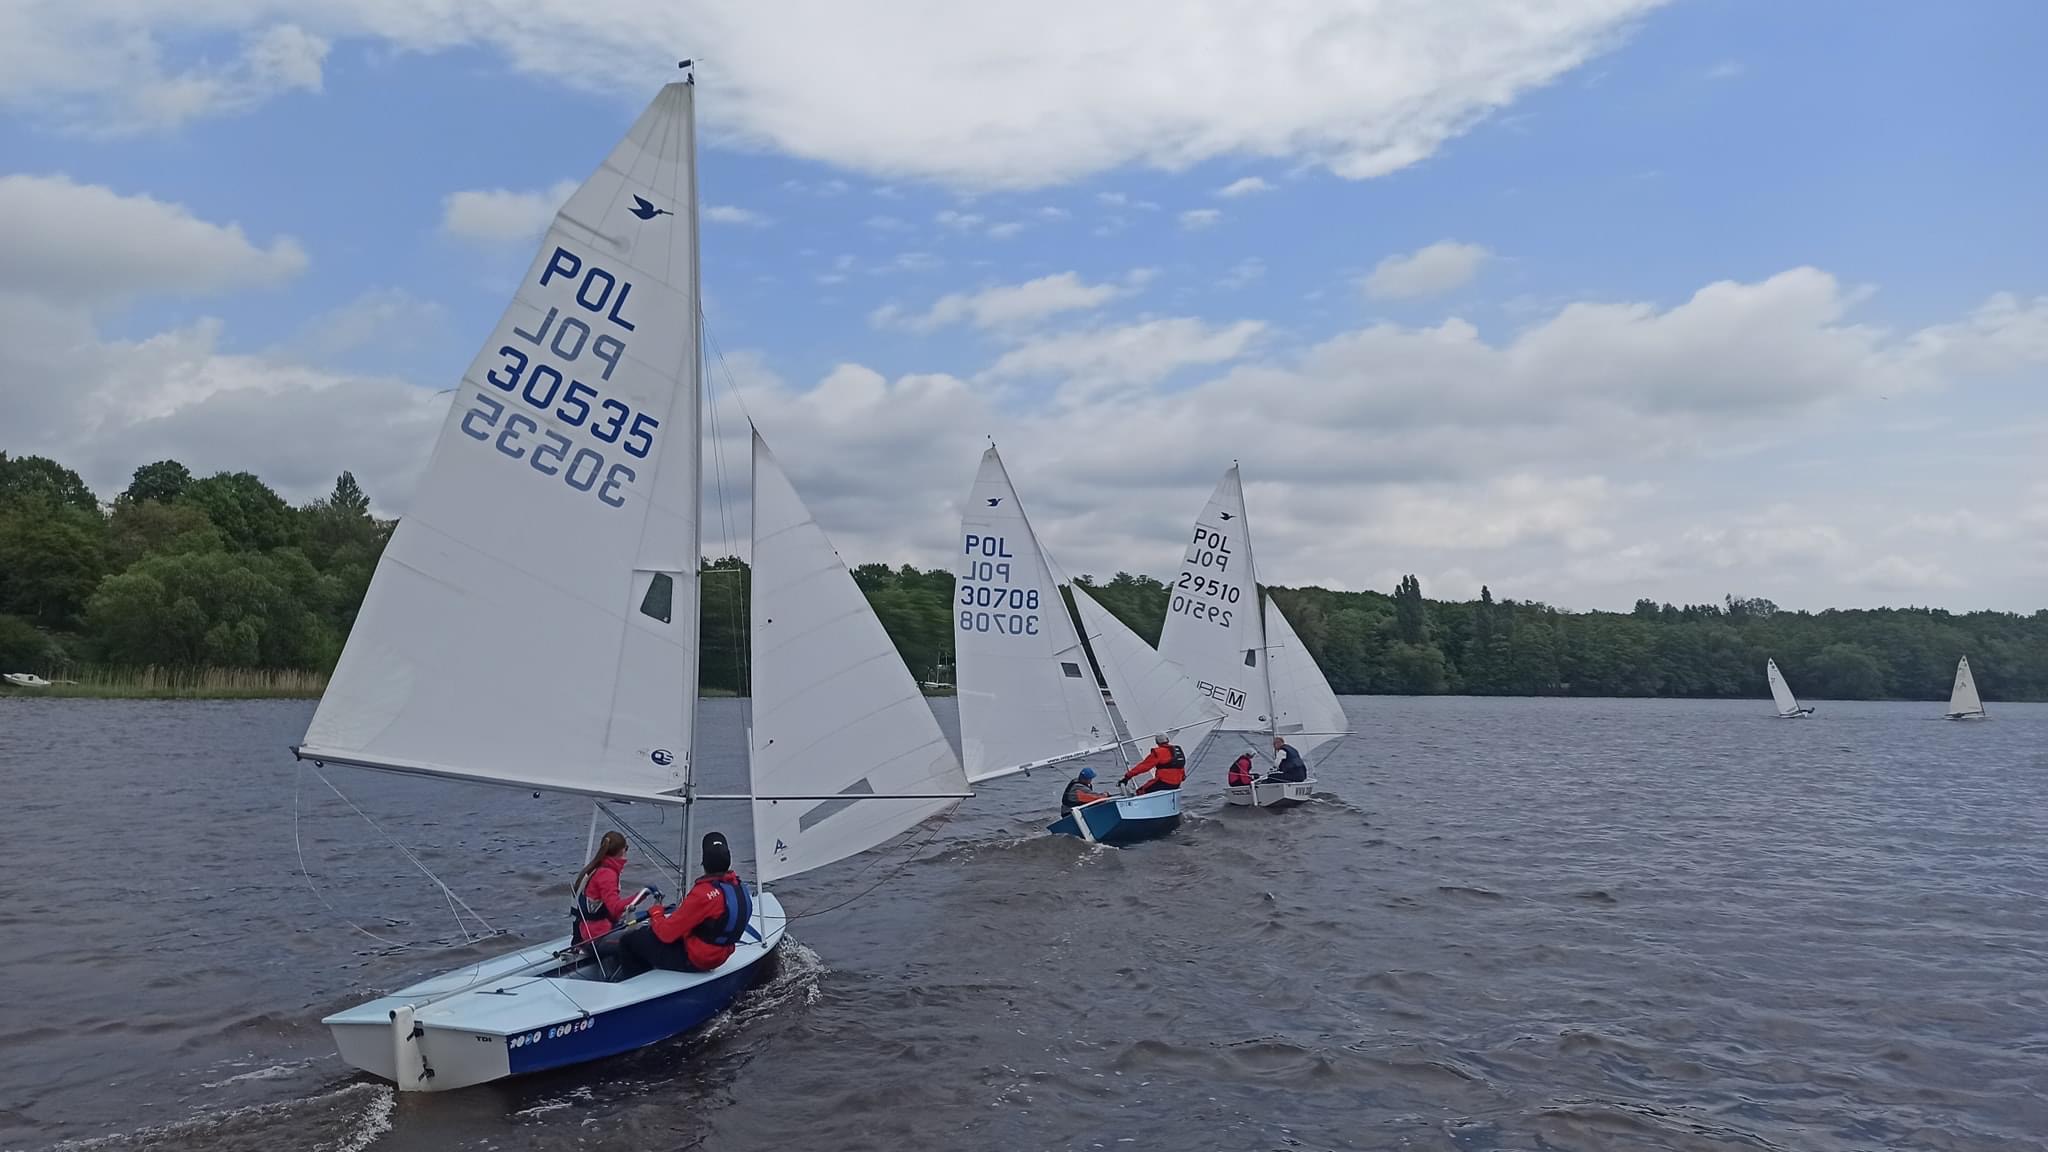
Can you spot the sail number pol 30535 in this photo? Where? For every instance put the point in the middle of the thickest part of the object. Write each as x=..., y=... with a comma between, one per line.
x=530, y=376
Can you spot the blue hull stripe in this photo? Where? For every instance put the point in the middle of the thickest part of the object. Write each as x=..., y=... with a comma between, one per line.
x=634, y=1026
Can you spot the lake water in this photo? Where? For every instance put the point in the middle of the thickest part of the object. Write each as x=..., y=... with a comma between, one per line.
x=1513, y=924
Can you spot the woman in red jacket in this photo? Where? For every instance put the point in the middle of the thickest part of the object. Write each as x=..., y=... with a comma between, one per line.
x=599, y=907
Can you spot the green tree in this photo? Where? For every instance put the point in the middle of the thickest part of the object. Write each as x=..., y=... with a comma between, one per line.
x=41, y=478
x=160, y=483
x=1411, y=614
x=51, y=557
x=211, y=608
x=1847, y=672
x=22, y=647
x=138, y=528
x=248, y=513
x=1416, y=669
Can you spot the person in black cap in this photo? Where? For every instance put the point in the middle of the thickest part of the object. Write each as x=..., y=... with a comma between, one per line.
x=707, y=923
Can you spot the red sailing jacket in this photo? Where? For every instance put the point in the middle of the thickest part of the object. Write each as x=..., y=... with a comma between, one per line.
x=1158, y=760
x=601, y=895
x=704, y=904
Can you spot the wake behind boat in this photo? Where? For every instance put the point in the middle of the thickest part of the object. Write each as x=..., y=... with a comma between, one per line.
x=558, y=528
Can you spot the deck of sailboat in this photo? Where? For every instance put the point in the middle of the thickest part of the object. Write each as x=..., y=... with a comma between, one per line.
x=520, y=991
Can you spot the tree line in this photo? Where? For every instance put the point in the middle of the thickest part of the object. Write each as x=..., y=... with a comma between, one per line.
x=220, y=571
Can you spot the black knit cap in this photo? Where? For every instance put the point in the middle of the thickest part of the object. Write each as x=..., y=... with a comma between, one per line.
x=717, y=854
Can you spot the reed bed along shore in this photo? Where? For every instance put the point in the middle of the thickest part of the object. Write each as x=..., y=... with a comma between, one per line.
x=182, y=684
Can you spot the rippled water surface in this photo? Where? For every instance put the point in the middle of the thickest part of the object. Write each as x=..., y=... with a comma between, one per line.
x=1513, y=924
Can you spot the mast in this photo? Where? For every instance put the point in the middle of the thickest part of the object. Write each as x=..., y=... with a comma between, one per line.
x=1265, y=648
x=694, y=434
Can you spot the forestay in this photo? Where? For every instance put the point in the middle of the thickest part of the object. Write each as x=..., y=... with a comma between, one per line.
x=1306, y=711
x=1962, y=698
x=1152, y=693
x=1027, y=696
x=1212, y=627
x=835, y=711
x=534, y=618
x=1781, y=692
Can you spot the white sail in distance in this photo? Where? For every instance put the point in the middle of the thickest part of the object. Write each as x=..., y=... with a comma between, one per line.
x=839, y=723
x=1306, y=710
x=534, y=619
x=1027, y=696
x=1963, y=700
x=1781, y=692
x=1151, y=692
x=1213, y=629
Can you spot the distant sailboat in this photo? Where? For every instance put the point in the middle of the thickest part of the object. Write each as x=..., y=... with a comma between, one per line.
x=1789, y=707
x=1028, y=692
x=1245, y=659
x=534, y=622
x=1963, y=701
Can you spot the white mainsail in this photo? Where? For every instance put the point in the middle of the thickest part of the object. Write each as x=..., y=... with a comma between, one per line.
x=1027, y=696
x=1963, y=700
x=534, y=619
x=1213, y=630
x=1151, y=692
x=1305, y=709
x=1781, y=692
x=837, y=716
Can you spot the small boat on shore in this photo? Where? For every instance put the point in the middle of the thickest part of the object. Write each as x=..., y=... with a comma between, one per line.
x=23, y=680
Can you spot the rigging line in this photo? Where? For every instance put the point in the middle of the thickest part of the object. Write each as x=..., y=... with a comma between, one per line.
x=930, y=834
x=662, y=859
x=298, y=845
x=449, y=893
x=742, y=635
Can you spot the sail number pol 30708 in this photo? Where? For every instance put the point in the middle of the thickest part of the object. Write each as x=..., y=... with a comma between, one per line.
x=988, y=600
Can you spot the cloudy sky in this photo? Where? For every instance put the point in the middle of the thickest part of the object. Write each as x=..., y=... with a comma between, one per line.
x=1583, y=299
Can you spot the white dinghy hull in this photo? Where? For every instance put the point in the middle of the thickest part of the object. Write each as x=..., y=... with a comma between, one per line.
x=1276, y=794
x=512, y=1015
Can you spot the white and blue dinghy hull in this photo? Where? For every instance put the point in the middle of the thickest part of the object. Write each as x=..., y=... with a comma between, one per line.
x=522, y=1012
x=1120, y=820
x=1275, y=794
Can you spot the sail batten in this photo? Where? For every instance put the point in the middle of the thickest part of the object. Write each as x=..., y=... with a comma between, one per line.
x=836, y=714
x=1213, y=629
x=533, y=620
x=1026, y=694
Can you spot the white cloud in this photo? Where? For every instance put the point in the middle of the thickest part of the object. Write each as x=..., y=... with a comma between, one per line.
x=1090, y=361
x=100, y=69
x=1009, y=305
x=1726, y=70
x=1243, y=273
x=1198, y=219
x=1248, y=186
x=1362, y=87
x=887, y=224
x=957, y=221
x=1005, y=231
x=1053, y=212
x=85, y=243
x=1431, y=271
x=499, y=216
x=730, y=214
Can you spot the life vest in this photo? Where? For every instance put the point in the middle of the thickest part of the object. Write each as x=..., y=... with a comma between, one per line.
x=1073, y=797
x=1171, y=774
x=1241, y=771
x=728, y=930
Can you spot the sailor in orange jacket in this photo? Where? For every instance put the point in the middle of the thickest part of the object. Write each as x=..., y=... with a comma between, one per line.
x=1162, y=768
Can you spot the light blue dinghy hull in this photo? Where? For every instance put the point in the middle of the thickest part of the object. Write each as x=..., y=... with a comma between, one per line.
x=513, y=1014
x=1121, y=820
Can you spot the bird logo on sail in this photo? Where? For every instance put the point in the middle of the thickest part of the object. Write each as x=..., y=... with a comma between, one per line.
x=994, y=500
x=1225, y=515
x=645, y=209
